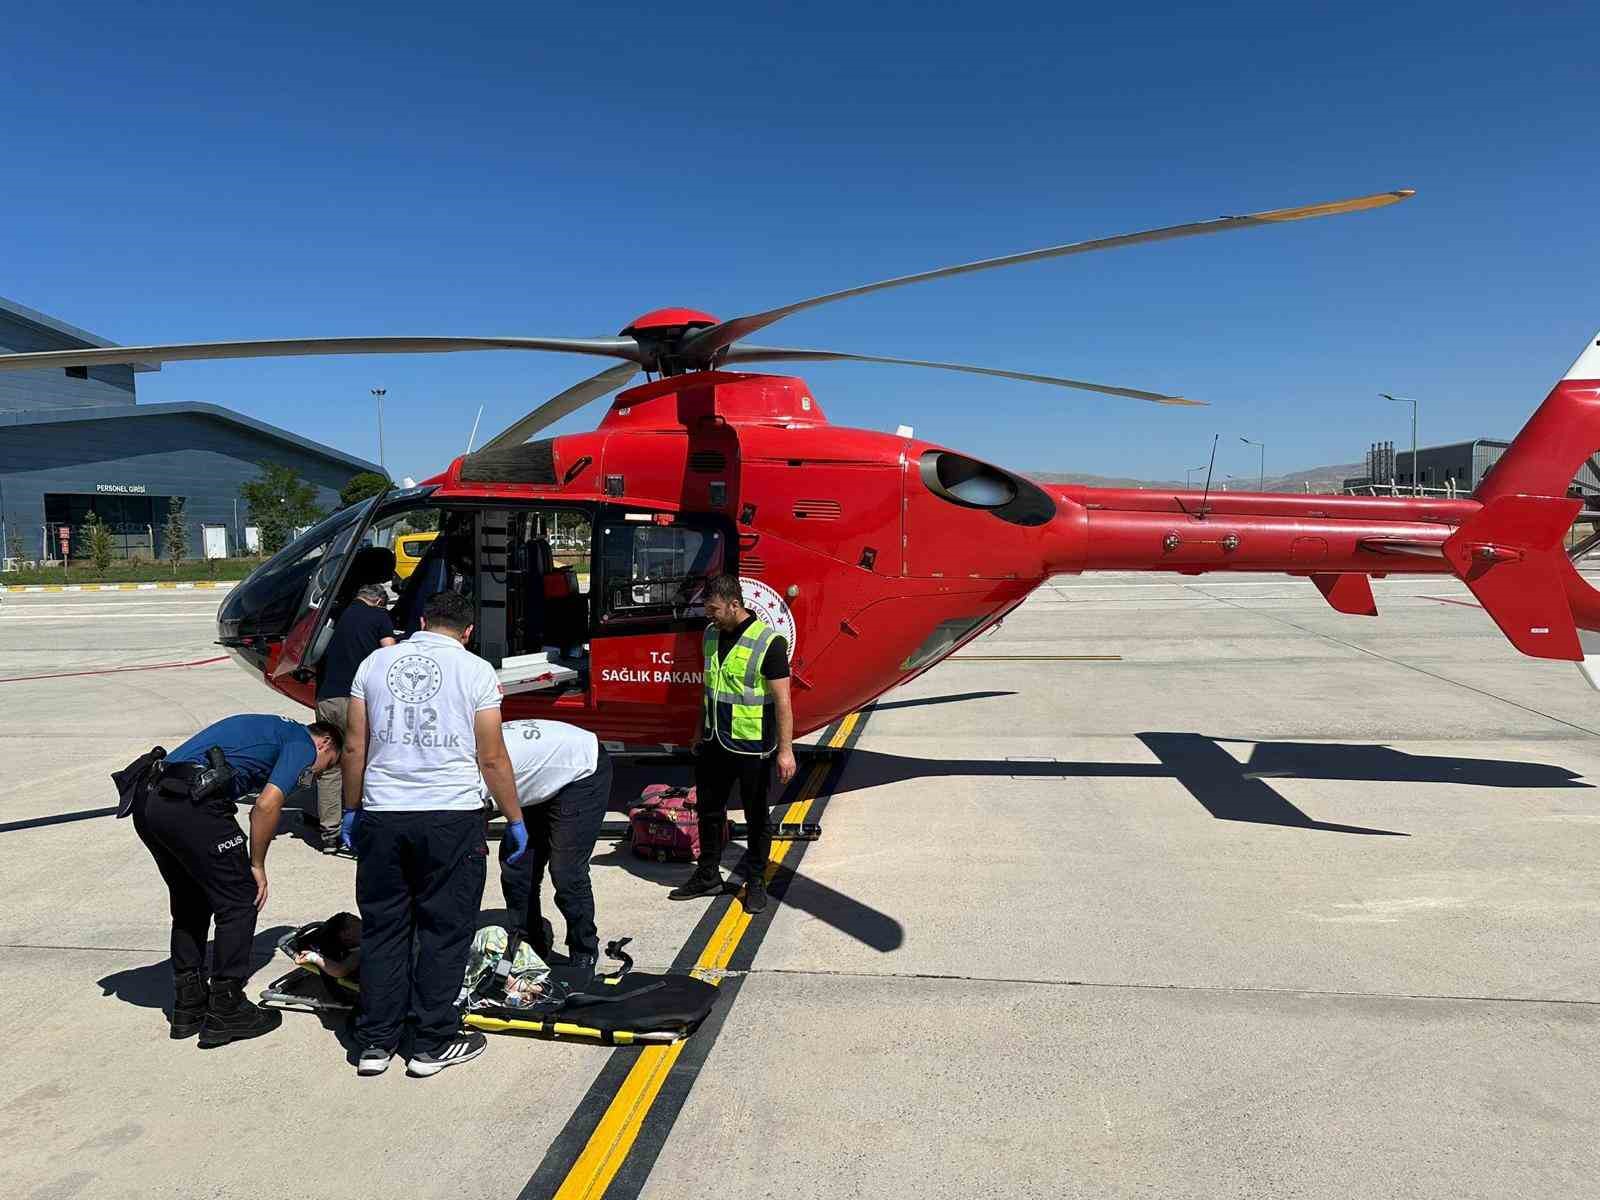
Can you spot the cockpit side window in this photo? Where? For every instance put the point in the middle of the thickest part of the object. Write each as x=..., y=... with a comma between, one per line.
x=271, y=596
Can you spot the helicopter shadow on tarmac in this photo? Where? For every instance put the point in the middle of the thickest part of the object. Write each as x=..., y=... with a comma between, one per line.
x=867, y=925
x=849, y=916
x=1227, y=789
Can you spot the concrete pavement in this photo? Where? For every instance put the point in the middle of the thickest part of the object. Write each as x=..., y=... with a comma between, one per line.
x=1282, y=902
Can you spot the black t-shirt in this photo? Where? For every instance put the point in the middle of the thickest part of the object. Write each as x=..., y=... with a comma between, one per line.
x=774, y=666
x=356, y=634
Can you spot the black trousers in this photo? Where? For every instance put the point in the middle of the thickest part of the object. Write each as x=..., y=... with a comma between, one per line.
x=203, y=856
x=561, y=835
x=419, y=881
x=716, y=771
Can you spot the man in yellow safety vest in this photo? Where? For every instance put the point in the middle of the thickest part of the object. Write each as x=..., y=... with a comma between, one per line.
x=746, y=728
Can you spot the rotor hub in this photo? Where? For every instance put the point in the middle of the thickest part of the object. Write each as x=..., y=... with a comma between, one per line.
x=660, y=334
x=667, y=321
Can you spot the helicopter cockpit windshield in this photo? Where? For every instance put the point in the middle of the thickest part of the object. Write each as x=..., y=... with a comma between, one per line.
x=288, y=597
x=264, y=605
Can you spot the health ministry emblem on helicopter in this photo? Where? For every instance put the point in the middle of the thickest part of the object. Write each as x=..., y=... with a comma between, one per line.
x=763, y=600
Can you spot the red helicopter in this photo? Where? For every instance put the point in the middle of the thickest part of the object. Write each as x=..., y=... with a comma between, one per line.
x=876, y=554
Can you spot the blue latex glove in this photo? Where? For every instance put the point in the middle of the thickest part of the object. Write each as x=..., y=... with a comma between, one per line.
x=347, y=828
x=517, y=835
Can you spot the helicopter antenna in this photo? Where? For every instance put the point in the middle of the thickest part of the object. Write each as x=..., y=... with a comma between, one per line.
x=473, y=436
x=1209, y=466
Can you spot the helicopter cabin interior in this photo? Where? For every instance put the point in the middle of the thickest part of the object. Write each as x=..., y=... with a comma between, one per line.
x=545, y=579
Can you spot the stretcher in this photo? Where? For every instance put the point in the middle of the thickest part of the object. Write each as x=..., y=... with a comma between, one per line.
x=306, y=989
x=620, y=1008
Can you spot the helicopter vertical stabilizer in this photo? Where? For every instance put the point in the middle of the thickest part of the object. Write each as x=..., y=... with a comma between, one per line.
x=1513, y=553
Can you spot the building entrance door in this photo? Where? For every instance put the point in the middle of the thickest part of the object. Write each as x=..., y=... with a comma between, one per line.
x=134, y=522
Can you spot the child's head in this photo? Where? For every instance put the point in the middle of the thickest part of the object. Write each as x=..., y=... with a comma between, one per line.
x=339, y=935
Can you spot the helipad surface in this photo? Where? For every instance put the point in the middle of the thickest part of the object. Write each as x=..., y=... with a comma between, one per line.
x=1273, y=901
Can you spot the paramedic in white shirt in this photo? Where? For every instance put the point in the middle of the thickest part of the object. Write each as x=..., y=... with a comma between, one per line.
x=563, y=779
x=423, y=730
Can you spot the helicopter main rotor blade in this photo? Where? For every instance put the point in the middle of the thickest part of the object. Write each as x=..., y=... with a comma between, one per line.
x=706, y=344
x=754, y=354
x=556, y=407
x=611, y=347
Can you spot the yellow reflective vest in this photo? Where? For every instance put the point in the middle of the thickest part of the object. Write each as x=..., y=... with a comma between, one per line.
x=739, y=714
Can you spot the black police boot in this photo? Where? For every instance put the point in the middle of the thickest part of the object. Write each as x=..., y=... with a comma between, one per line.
x=232, y=1018
x=755, y=893
x=706, y=881
x=579, y=972
x=188, y=1003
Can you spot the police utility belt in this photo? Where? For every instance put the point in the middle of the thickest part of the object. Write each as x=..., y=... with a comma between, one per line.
x=195, y=782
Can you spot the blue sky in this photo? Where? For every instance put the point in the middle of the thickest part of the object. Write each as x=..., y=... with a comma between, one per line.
x=177, y=172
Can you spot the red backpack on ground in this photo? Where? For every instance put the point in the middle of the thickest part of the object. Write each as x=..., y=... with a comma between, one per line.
x=665, y=824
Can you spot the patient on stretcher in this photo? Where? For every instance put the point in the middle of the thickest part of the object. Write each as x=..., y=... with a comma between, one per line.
x=506, y=988
x=527, y=983
x=335, y=948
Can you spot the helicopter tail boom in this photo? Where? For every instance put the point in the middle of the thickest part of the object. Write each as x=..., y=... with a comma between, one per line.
x=1508, y=543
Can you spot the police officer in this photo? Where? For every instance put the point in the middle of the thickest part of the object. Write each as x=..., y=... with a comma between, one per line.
x=563, y=777
x=184, y=814
x=424, y=727
x=747, y=726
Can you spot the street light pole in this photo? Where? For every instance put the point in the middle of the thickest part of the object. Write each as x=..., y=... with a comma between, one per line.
x=1261, y=483
x=1188, y=475
x=1416, y=473
x=379, y=394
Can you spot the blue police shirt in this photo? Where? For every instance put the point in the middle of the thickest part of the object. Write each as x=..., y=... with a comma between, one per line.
x=261, y=749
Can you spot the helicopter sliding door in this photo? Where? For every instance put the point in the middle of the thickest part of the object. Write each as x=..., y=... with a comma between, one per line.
x=650, y=572
x=525, y=568
x=530, y=592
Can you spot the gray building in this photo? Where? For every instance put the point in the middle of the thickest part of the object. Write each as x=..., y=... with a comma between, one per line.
x=1459, y=466
x=75, y=441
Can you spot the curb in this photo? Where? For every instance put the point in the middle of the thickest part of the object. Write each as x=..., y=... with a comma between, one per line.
x=200, y=585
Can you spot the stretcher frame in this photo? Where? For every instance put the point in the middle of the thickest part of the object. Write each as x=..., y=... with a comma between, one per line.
x=484, y=1013
x=488, y=1017
x=277, y=994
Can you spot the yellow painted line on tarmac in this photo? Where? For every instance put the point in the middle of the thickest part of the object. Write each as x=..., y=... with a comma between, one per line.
x=608, y=1146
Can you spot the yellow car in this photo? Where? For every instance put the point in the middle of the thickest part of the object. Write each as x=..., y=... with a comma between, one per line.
x=408, y=551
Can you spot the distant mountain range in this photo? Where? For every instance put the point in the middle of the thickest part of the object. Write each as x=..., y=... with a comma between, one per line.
x=1317, y=479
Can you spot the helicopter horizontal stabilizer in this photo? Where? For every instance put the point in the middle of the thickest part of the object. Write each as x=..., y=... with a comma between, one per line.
x=1510, y=554
x=1347, y=593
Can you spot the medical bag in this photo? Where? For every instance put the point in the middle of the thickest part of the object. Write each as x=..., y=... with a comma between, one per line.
x=665, y=824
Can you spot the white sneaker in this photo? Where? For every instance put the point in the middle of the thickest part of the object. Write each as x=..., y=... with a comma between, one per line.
x=374, y=1060
x=453, y=1053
